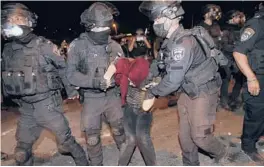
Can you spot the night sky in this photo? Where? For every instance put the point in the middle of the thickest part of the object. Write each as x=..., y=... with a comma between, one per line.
x=62, y=15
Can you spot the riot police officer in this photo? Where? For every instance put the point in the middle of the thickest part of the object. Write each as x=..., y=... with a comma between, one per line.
x=231, y=33
x=249, y=56
x=186, y=61
x=88, y=59
x=32, y=71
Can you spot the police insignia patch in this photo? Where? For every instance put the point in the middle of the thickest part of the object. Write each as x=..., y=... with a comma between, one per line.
x=247, y=34
x=178, y=54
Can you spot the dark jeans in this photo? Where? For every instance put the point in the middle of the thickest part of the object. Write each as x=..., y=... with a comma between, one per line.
x=238, y=77
x=137, y=126
x=225, y=75
x=253, y=126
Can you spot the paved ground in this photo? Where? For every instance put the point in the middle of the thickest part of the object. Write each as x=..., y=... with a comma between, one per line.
x=228, y=128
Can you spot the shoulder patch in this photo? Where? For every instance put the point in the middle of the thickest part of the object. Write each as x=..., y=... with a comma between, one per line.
x=177, y=53
x=247, y=34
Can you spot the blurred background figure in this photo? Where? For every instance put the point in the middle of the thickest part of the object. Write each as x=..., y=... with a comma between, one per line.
x=139, y=44
x=124, y=45
x=64, y=48
x=231, y=35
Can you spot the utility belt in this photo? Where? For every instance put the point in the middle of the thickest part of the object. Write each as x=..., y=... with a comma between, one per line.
x=212, y=86
x=93, y=93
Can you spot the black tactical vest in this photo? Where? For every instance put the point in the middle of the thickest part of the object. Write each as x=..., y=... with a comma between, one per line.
x=94, y=59
x=26, y=72
x=203, y=76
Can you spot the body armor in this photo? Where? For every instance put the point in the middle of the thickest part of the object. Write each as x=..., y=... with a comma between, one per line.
x=203, y=77
x=26, y=71
x=94, y=60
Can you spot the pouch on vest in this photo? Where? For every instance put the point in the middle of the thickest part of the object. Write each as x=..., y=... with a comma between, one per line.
x=199, y=76
x=54, y=81
x=20, y=81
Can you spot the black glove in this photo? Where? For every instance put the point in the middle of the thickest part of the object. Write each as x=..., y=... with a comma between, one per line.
x=99, y=83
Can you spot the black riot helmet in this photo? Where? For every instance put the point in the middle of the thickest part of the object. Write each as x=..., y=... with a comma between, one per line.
x=97, y=15
x=156, y=9
x=113, y=9
x=18, y=14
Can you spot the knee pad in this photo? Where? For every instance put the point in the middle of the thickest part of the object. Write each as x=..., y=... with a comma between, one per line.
x=93, y=140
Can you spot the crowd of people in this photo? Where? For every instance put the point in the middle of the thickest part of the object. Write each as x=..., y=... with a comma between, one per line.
x=119, y=80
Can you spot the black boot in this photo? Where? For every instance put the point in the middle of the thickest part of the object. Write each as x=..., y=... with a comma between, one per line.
x=75, y=150
x=234, y=105
x=23, y=154
x=255, y=157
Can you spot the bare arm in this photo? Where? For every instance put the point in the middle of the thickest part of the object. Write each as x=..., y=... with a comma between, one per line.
x=131, y=44
x=147, y=42
x=242, y=63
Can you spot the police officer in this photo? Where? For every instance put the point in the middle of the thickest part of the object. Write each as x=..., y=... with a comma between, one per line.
x=32, y=72
x=231, y=34
x=88, y=59
x=249, y=56
x=186, y=61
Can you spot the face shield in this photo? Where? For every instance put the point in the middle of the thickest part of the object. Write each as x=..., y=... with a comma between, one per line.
x=157, y=9
x=16, y=20
x=9, y=30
